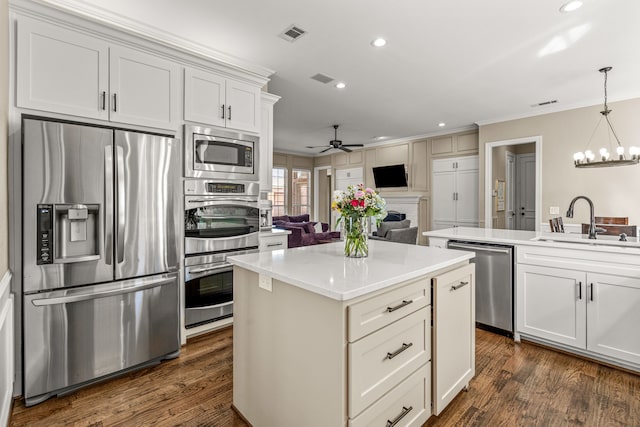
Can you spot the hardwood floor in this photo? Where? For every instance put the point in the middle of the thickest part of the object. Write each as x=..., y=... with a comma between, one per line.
x=515, y=385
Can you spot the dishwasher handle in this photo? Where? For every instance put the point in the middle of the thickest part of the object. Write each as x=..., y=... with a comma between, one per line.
x=478, y=248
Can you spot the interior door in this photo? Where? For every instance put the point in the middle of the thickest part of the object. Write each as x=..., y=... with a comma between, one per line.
x=510, y=181
x=146, y=198
x=526, y=182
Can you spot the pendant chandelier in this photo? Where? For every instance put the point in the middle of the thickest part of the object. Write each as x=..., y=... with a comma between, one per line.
x=588, y=158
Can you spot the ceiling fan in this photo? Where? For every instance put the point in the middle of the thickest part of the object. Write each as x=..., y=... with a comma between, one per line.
x=336, y=143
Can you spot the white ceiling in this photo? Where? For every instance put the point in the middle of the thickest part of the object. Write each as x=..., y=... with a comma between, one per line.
x=456, y=61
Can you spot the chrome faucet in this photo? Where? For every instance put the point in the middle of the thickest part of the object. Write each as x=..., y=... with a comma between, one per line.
x=592, y=218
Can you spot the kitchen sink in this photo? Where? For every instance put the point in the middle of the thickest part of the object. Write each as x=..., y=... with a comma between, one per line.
x=582, y=239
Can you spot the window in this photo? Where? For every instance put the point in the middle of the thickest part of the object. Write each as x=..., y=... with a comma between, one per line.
x=278, y=195
x=300, y=196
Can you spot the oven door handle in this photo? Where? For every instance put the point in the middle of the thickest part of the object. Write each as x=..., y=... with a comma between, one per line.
x=220, y=200
x=226, y=267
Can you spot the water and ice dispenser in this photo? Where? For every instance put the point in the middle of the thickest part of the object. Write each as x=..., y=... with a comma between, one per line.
x=68, y=233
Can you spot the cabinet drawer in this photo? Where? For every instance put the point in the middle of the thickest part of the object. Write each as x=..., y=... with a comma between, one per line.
x=382, y=360
x=375, y=313
x=272, y=243
x=409, y=403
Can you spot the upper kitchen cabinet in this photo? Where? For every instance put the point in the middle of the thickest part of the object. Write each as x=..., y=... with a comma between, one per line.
x=61, y=71
x=69, y=72
x=144, y=89
x=212, y=99
x=464, y=143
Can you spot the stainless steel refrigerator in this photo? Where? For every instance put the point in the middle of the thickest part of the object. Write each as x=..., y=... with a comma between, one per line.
x=101, y=218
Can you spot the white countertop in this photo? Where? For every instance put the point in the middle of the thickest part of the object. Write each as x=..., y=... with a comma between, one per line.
x=325, y=270
x=274, y=232
x=576, y=241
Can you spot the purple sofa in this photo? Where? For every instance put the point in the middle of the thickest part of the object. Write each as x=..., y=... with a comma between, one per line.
x=303, y=231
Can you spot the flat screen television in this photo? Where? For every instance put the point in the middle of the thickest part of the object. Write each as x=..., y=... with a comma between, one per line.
x=390, y=176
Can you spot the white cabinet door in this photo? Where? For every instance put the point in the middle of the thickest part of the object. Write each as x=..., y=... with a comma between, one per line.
x=144, y=89
x=467, y=195
x=266, y=141
x=551, y=304
x=454, y=339
x=613, y=316
x=61, y=70
x=204, y=97
x=215, y=100
x=243, y=106
x=443, y=197
x=455, y=191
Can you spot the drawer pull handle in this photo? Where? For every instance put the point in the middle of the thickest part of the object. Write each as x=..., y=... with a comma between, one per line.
x=456, y=287
x=397, y=419
x=398, y=351
x=399, y=306
x=273, y=244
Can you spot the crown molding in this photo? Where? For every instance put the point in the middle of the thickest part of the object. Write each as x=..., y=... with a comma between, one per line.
x=162, y=37
x=554, y=109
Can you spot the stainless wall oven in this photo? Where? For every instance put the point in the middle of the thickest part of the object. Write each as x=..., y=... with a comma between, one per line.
x=220, y=216
x=209, y=288
x=220, y=154
x=221, y=219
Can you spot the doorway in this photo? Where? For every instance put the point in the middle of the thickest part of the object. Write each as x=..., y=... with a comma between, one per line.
x=322, y=194
x=512, y=184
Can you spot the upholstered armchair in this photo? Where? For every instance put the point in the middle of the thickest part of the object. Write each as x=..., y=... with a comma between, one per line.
x=397, y=231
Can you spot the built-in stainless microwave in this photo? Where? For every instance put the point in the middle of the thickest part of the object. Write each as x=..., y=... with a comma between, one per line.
x=220, y=154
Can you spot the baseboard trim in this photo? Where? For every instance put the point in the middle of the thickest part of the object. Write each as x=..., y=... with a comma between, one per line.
x=238, y=413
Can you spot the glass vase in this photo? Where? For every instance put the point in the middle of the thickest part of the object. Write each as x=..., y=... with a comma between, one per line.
x=356, y=243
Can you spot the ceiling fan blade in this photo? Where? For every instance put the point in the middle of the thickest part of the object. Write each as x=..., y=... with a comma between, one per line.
x=345, y=149
x=353, y=145
x=326, y=149
x=316, y=146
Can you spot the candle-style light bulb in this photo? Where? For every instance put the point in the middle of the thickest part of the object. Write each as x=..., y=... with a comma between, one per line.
x=589, y=155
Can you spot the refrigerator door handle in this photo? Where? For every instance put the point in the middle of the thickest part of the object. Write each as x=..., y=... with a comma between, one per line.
x=108, y=196
x=121, y=207
x=106, y=293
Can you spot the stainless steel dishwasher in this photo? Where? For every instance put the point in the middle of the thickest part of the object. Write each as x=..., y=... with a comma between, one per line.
x=494, y=284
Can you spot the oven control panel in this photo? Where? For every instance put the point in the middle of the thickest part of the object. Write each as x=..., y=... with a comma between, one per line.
x=210, y=187
x=225, y=188
x=45, y=234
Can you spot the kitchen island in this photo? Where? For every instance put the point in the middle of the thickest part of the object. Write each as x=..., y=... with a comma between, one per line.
x=324, y=340
x=573, y=293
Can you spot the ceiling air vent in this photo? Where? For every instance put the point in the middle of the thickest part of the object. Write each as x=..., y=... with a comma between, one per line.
x=292, y=33
x=322, y=78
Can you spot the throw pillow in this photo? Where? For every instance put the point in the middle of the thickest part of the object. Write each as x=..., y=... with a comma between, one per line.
x=299, y=218
x=318, y=227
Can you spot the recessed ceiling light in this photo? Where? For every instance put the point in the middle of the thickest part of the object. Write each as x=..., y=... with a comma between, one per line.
x=442, y=124
x=341, y=85
x=571, y=6
x=379, y=42
x=378, y=138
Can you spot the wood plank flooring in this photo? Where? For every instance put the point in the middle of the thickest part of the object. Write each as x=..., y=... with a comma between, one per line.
x=515, y=385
